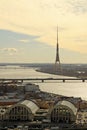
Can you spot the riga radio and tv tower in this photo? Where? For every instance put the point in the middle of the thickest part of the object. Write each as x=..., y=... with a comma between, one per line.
x=57, y=61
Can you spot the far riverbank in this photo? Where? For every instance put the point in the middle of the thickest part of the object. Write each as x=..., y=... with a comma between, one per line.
x=79, y=71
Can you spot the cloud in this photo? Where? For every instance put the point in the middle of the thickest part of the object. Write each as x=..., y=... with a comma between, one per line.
x=15, y=35
x=24, y=41
x=12, y=39
x=78, y=6
x=80, y=39
x=63, y=6
x=9, y=49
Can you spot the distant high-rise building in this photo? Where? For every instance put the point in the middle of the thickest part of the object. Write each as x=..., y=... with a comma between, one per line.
x=57, y=62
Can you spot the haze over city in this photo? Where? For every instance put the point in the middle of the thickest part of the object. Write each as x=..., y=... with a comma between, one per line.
x=28, y=31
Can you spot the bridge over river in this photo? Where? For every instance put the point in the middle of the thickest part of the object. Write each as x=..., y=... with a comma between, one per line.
x=43, y=79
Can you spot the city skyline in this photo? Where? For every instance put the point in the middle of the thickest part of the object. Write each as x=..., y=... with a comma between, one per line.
x=28, y=31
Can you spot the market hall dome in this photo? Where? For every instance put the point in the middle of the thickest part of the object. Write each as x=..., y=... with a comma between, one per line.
x=22, y=111
x=63, y=112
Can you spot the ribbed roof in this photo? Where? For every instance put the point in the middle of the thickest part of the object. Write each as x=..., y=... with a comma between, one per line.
x=30, y=104
x=67, y=104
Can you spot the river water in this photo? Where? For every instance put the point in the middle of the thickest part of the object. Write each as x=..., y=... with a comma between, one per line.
x=69, y=88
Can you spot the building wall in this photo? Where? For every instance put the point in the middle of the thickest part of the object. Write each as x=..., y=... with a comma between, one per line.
x=21, y=111
x=62, y=112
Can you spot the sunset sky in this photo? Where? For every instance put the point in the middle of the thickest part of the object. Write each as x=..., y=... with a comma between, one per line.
x=28, y=30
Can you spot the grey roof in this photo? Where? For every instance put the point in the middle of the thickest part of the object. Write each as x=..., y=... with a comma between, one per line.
x=30, y=105
x=67, y=104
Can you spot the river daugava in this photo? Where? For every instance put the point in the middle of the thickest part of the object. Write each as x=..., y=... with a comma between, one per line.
x=68, y=88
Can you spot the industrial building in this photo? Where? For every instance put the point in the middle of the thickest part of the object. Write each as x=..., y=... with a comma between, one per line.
x=63, y=112
x=27, y=110
x=21, y=111
x=29, y=87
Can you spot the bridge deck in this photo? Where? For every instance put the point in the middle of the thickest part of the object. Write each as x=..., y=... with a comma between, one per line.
x=44, y=79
